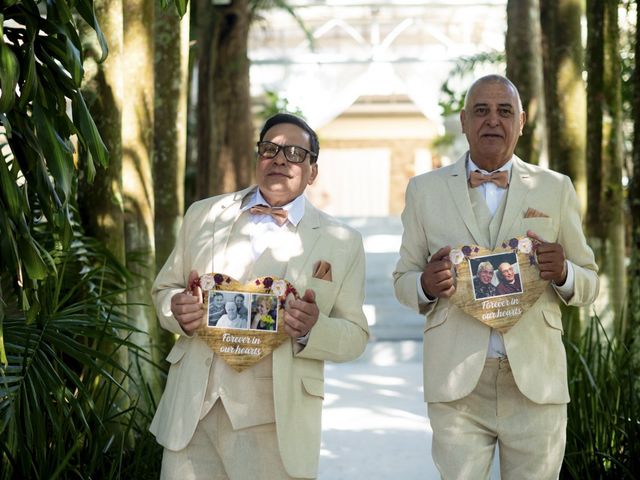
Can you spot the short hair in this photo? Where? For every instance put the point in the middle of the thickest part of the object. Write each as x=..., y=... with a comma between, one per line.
x=218, y=294
x=278, y=118
x=267, y=301
x=230, y=304
x=493, y=78
x=239, y=295
x=485, y=266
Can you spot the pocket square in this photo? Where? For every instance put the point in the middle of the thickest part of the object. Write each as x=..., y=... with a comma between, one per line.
x=533, y=213
x=322, y=270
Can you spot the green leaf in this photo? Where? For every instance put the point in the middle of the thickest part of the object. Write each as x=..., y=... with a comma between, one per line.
x=9, y=191
x=89, y=134
x=29, y=85
x=58, y=158
x=87, y=12
x=8, y=241
x=6, y=124
x=63, y=84
x=9, y=75
x=58, y=12
x=74, y=62
x=64, y=51
x=28, y=153
x=30, y=255
x=181, y=6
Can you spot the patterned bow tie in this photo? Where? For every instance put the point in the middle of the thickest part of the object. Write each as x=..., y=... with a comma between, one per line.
x=279, y=214
x=501, y=178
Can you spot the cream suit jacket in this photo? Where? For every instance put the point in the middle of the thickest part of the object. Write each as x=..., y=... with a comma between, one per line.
x=438, y=213
x=340, y=334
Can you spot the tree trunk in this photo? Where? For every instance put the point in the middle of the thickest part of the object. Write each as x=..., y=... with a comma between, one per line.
x=101, y=202
x=566, y=106
x=613, y=193
x=225, y=130
x=565, y=90
x=633, y=305
x=170, y=128
x=170, y=135
x=137, y=139
x=524, y=68
x=595, y=111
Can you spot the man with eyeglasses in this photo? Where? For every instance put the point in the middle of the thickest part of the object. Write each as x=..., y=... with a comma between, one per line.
x=265, y=421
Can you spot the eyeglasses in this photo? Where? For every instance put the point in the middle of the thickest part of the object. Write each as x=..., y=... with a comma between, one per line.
x=292, y=153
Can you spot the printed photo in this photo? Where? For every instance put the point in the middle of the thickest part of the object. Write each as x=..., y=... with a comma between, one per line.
x=229, y=309
x=495, y=275
x=264, y=312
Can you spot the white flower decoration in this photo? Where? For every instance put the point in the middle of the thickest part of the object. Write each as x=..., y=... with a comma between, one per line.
x=524, y=245
x=279, y=287
x=207, y=282
x=456, y=256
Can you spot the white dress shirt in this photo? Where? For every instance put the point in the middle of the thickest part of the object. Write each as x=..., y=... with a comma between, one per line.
x=266, y=230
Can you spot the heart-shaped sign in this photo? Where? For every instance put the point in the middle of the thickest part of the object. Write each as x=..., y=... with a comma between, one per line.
x=242, y=323
x=497, y=286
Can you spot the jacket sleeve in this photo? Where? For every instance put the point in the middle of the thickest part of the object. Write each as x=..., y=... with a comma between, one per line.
x=572, y=238
x=414, y=254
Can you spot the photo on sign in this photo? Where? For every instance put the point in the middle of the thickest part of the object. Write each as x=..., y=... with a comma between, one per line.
x=228, y=309
x=495, y=275
x=264, y=312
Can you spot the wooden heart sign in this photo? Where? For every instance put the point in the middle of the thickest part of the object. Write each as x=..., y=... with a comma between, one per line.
x=242, y=323
x=497, y=287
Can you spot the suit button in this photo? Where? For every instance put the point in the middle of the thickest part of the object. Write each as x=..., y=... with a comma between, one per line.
x=207, y=362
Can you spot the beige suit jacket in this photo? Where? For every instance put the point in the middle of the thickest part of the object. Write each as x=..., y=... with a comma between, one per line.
x=438, y=213
x=340, y=334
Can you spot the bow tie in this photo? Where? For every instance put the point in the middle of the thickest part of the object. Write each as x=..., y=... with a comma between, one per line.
x=279, y=215
x=501, y=178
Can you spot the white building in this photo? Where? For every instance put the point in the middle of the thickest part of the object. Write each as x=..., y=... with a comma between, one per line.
x=369, y=83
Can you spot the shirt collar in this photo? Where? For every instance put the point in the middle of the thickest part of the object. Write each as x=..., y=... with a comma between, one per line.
x=295, y=208
x=472, y=167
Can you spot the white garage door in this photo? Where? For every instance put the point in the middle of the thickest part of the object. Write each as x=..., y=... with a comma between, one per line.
x=352, y=182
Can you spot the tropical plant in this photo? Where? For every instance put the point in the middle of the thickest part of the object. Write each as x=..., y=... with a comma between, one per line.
x=65, y=410
x=65, y=377
x=40, y=75
x=604, y=413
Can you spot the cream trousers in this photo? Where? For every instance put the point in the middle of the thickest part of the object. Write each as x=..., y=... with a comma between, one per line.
x=531, y=437
x=218, y=452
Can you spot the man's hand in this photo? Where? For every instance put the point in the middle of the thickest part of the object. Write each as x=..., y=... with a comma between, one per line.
x=187, y=307
x=437, y=278
x=551, y=260
x=301, y=314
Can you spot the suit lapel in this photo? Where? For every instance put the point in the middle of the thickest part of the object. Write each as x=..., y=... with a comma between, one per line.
x=309, y=233
x=519, y=188
x=222, y=227
x=459, y=190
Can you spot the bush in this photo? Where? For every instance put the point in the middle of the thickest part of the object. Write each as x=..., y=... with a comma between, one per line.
x=66, y=410
x=603, y=432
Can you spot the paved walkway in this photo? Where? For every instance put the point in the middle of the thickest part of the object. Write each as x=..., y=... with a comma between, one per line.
x=374, y=419
x=374, y=424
